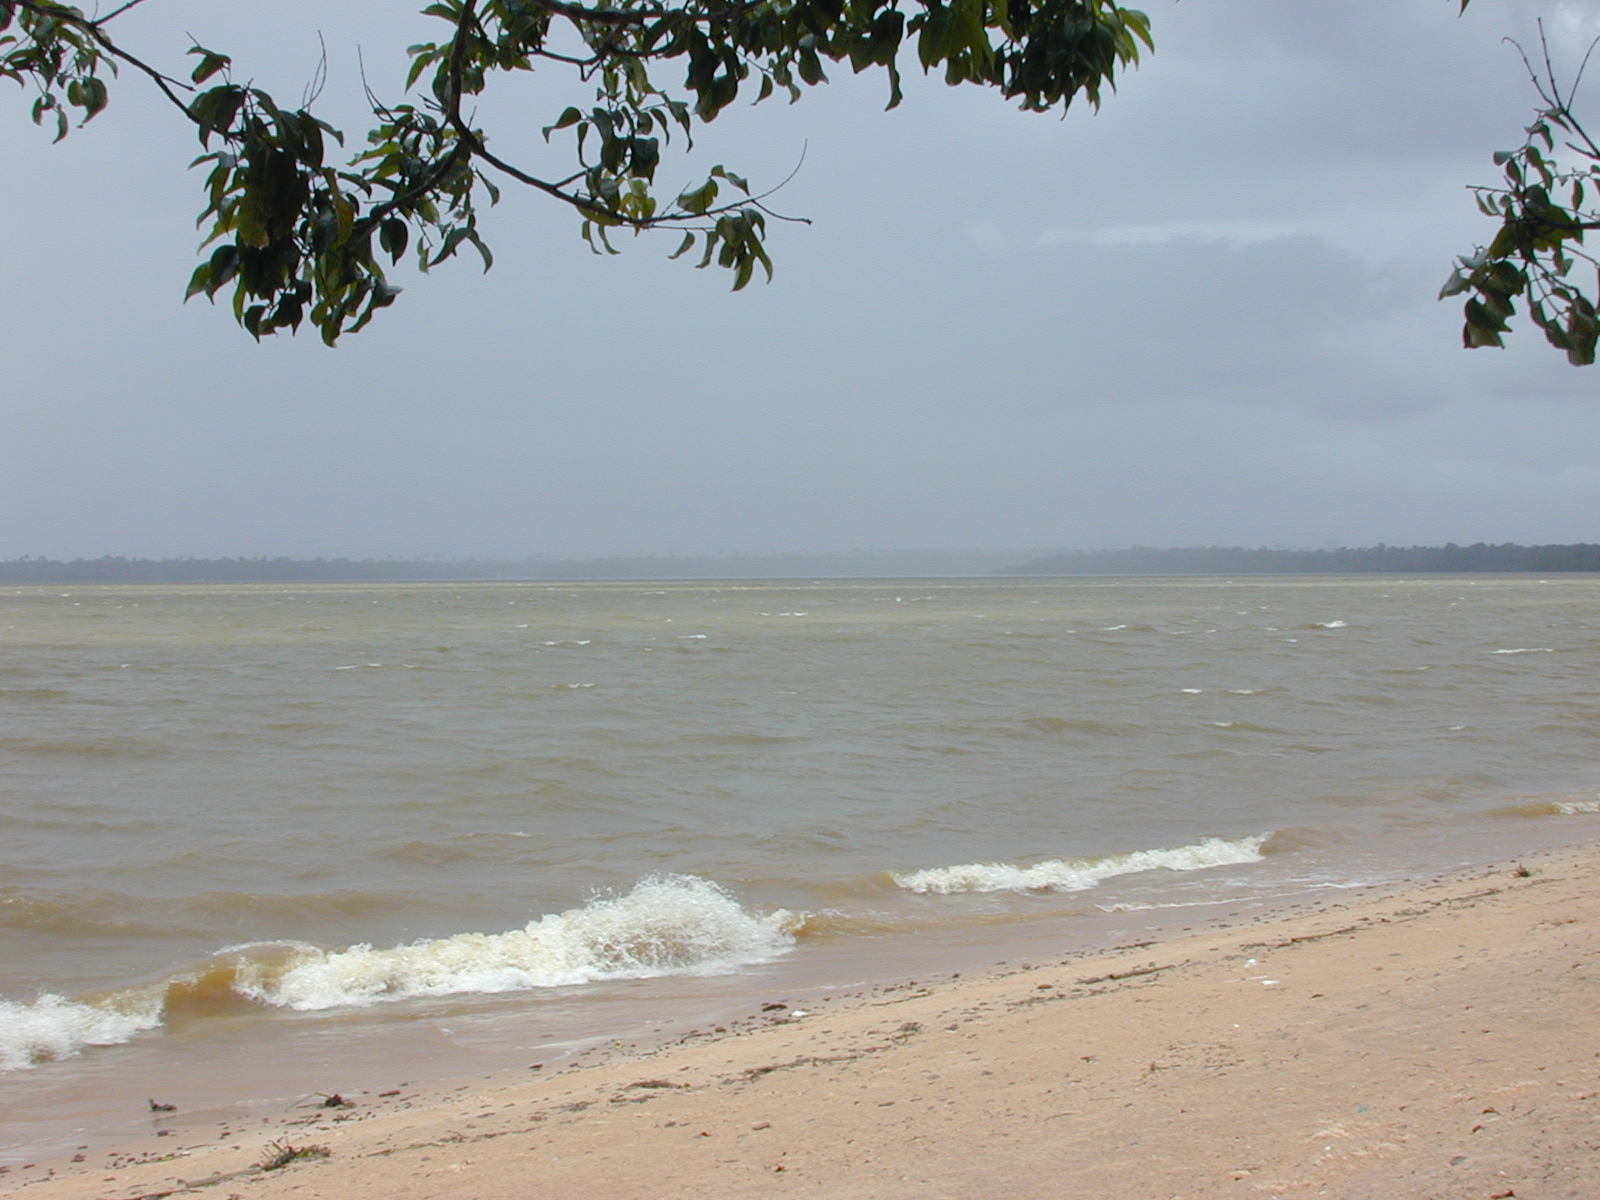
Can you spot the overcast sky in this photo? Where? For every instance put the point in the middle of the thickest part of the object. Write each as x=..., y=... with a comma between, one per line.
x=1205, y=315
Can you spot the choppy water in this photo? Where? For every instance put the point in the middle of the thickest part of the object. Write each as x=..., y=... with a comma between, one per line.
x=365, y=821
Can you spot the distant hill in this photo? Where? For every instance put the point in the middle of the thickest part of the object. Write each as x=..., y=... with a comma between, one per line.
x=116, y=569
x=1234, y=560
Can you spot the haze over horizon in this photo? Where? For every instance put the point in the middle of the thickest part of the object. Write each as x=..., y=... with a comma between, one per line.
x=1204, y=316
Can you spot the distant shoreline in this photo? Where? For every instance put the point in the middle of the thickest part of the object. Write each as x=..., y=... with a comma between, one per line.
x=1506, y=557
x=1449, y=559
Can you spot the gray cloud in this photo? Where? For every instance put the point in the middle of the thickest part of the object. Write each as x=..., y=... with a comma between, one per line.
x=1205, y=315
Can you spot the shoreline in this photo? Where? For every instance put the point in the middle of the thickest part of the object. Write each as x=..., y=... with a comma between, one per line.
x=1430, y=1039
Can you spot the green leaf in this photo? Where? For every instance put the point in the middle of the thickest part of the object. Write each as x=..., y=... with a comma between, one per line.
x=568, y=118
x=97, y=97
x=1482, y=328
x=810, y=68
x=214, y=111
x=199, y=282
x=643, y=157
x=738, y=181
x=1454, y=286
x=700, y=199
x=210, y=63
x=393, y=235
x=421, y=57
x=483, y=251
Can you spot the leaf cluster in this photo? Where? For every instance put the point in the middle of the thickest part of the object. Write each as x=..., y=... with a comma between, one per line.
x=1545, y=206
x=58, y=55
x=300, y=230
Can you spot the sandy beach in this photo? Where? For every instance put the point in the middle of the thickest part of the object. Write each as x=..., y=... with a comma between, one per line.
x=1434, y=1041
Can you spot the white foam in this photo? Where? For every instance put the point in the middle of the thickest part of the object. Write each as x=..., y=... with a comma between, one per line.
x=1526, y=650
x=667, y=925
x=1568, y=808
x=1329, y=624
x=54, y=1027
x=1080, y=874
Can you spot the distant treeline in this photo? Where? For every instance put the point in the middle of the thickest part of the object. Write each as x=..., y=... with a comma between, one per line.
x=1140, y=560
x=116, y=569
x=1235, y=560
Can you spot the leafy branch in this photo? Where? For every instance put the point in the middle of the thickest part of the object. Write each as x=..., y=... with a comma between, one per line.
x=1548, y=202
x=295, y=230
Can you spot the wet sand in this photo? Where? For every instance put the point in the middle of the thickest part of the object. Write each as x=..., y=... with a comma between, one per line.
x=1439, y=1040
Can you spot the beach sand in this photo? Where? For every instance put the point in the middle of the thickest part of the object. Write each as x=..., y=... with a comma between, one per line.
x=1439, y=1040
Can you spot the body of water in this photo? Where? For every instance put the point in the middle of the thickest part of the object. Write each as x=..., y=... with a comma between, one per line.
x=249, y=835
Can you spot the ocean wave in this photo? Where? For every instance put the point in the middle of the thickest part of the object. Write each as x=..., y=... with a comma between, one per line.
x=485, y=846
x=54, y=1027
x=1561, y=806
x=68, y=748
x=92, y=914
x=666, y=925
x=741, y=739
x=1080, y=874
x=1569, y=808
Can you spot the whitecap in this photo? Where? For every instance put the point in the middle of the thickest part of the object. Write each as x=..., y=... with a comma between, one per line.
x=54, y=1027
x=1080, y=874
x=667, y=925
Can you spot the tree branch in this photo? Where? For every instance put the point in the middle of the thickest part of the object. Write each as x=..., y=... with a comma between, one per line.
x=72, y=16
x=639, y=16
x=117, y=12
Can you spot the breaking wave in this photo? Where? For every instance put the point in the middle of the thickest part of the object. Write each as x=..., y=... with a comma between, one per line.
x=55, y=1027
x=666, y=925
x=1080, y=874
x=1569, y=808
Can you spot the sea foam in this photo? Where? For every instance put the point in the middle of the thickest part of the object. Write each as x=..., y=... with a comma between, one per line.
x=1080, y=874
x=55, y=1027
x=667, y=925
x=1568, y=808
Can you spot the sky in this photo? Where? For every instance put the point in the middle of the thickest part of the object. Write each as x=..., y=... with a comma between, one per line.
x=1206, y=315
